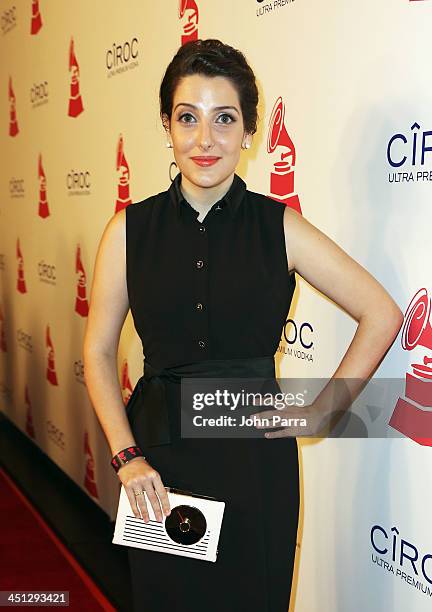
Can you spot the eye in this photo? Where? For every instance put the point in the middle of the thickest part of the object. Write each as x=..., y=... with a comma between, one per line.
x=224, y=118
x=185, y=115
x=230, y=117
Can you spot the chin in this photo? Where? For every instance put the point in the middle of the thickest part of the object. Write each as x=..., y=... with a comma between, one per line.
x=210, y=175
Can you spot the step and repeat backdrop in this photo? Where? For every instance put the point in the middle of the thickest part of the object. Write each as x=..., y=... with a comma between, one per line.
x=345, y=137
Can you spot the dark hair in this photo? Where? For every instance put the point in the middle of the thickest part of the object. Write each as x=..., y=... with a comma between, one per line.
x=212, y=57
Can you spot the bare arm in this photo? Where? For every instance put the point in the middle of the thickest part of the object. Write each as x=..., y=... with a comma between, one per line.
x=328, y=268
x=109, y=305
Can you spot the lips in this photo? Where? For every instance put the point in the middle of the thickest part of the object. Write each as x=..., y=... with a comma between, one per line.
x=205, y=161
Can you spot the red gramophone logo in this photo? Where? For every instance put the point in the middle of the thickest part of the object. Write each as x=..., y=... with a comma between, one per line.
x=13, y=123
x=29, y=417
x=126, y=383
x=36, y=22
x=188, y=11
x=43, y=202
x=412, y=415
x=75, y=101
x=89, y=480
x=282, y=176
x=123, y=197
x=81, y=304
x=21, y=284
x=3, y=345
x=51, y=371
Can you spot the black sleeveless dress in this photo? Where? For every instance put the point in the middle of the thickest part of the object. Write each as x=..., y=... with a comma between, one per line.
x=216, y=290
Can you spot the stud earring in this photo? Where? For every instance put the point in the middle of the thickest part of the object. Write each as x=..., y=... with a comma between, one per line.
x=169, y=145
x=246, y=146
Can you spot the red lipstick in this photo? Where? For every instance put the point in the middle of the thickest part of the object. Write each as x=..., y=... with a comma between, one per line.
x=205, y=160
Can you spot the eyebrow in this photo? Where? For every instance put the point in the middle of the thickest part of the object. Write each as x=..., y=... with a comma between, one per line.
x=215, y=108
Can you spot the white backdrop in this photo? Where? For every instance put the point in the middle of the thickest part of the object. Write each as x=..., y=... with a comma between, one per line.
x=80, y=132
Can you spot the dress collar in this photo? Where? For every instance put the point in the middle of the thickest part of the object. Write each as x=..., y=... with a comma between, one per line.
x=231, y=200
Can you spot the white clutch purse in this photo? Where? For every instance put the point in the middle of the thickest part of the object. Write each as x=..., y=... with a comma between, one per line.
x=191, y=530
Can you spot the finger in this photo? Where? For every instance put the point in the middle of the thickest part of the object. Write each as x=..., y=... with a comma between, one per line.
x=163, y=495
x=282, y=433
x=288, y=412
x=266, y=419
x=133, y=501
x=140, y=500
x=293, y=432
x=154, y=500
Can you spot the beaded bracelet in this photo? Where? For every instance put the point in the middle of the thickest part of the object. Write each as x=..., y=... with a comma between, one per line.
x=126, y=455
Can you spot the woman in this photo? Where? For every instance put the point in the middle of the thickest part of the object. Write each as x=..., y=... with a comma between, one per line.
x=207, y=270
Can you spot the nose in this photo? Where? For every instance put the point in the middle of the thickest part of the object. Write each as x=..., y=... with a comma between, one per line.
x=205, y=137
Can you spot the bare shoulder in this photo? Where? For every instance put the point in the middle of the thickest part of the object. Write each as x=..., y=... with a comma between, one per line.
x=116, y=225
x=296, y=227
x=109, y=286
x=305, y=241
x=327, y=267
x=310, y=248
x=111, y=256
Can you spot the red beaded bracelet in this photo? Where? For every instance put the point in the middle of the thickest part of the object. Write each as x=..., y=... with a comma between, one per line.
x=126, y=455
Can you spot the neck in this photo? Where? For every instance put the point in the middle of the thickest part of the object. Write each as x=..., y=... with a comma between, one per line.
x=203, y=198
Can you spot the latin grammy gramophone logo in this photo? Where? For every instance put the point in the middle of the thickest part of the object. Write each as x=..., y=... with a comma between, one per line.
x=282, y=176
x=412, y=415
x=89, y=479
x=3, y=345
x=75, y=101
x=21, y=284
x=123, y=176
x=29, y=427
x=36, y=21
x=51, y=374
x=13, y=122
x=43, y=211
x=188, y=13
x=126, y=383
x=81, y=303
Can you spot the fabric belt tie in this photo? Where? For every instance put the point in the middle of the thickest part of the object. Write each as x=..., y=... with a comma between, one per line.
x=147, y=408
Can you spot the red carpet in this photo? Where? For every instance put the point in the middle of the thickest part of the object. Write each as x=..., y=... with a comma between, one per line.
x=33, y=558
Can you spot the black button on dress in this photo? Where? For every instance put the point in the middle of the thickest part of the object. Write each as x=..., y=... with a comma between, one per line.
x=215, y=290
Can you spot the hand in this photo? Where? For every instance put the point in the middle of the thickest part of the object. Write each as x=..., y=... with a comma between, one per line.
x=138, y=475
x=296, y=421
